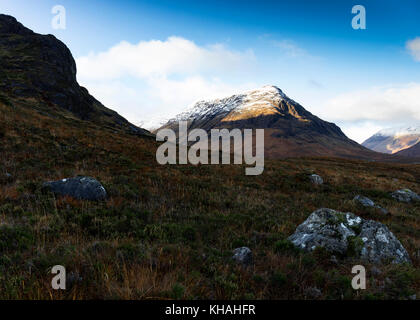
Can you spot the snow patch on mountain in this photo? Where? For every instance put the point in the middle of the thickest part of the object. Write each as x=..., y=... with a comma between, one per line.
x=269, y=96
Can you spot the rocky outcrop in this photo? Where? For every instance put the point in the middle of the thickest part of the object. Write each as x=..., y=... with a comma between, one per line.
x=81, y=188
x=405, y=195
x=348, y=235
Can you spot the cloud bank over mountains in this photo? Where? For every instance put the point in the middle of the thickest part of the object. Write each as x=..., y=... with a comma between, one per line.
x=151, y=81
x=152, y=78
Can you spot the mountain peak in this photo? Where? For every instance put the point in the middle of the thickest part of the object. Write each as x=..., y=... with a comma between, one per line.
x=270, y=88
x=265, y=100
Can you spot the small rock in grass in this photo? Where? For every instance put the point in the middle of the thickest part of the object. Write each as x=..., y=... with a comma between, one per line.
x=242, y=255
x=316, y=179
x=366, y=202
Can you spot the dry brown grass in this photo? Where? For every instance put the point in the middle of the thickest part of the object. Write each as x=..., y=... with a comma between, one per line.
x=169, y=231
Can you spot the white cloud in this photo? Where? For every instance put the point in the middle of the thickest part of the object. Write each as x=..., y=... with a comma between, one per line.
x=290, y=48
x=360, y=114
x=413, y=47
x=393, y=103
x=155, y=79
x=160, y=58
x=359, y=132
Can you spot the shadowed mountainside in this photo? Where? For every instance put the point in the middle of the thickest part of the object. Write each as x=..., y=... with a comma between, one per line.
x=42, y=69
x=414, y=152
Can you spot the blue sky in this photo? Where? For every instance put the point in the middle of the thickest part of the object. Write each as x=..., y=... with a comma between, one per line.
x=175, y=52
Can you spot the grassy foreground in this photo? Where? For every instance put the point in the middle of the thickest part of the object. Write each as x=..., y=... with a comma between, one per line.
x=169, y=231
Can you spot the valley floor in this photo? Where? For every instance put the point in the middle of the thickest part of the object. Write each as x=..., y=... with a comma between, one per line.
x=169, y=231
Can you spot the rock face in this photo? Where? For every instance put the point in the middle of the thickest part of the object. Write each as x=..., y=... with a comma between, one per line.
x=405, y=195
x=366, y=202
x=316, y=179
x=41, y=67
x=349, y=235
x=242, y=255
x=82, y=188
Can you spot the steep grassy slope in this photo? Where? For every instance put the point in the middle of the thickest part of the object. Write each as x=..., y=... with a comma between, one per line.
x=169, y=231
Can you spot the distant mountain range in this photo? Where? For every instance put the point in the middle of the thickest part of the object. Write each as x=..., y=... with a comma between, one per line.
x=290, y=130
x=393, y=140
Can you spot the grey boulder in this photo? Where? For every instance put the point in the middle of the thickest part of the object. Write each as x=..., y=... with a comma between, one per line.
x=366, y=202
x=81, y=188
x=242, y=255
x=349, y=235
x=405, y=195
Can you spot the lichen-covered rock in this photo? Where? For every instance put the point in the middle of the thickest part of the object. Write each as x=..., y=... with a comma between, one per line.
x=316, y=179
x=82, y=188
x=349, y=235
x=405, y=195
x=366, y=202
x=242, y=255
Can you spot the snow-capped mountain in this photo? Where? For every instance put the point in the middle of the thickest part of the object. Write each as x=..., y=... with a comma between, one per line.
x=393, y=140
x=254, y=100
x=290, y=130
